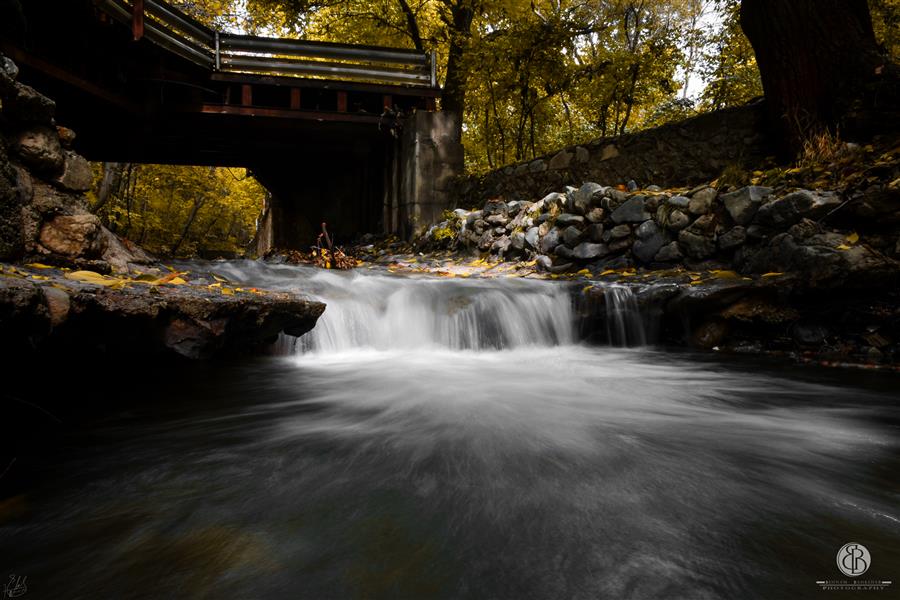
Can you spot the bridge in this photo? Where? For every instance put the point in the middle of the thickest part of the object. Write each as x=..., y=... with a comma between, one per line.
x=340, y=133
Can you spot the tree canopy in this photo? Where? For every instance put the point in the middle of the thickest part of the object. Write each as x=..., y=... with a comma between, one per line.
x=531, y=76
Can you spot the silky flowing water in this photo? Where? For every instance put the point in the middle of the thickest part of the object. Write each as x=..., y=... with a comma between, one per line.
x=453, y=438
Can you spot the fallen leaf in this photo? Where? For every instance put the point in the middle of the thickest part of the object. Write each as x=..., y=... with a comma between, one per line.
x=773, y=274
x=38, y=266
x=853, y=238
x=724, y=274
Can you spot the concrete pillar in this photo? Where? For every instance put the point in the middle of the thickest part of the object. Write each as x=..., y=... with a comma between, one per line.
x=430, y=156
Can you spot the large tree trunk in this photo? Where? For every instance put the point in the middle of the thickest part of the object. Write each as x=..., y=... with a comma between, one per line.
x=453, y=97
x=816, y=59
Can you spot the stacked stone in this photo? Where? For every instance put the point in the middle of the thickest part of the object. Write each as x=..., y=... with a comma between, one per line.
x=43, y=209
x=751, y=229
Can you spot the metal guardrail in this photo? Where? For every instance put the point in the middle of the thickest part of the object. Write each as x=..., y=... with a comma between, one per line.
x=224, y=52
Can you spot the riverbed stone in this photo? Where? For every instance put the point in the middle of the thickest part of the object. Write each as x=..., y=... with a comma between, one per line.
x=631, y=211
x=543, y=263
x=620, y=231
x=595, y=232
x=734, y=237
x=669, y=253
x=572, y=235
x=590, y=250
x=563, y=251
x=72, y=236
x=679, y=201
x=650, y=240
x=567, y=219
x=784, y=212
x=587, y=196
x=76, y=175
x=702, y=201
x=532, y=237
x=696, y=245
x=550, y=241
x=677, y=220
x=743, y=204
x=40, y=149
x=495, y=207
x=497, y=220
x=26, y=105
x=517, y=241
x=595, y=215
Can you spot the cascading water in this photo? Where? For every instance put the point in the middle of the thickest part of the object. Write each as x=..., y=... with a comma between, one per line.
x=450, y=439
x=367, y=310
x=624, y=325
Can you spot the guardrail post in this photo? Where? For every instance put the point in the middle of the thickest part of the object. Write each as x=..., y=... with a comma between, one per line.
x=433, y=61
x=137, y=19
x=218, y=53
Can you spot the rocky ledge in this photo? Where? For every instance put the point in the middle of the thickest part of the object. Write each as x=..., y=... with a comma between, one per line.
x=55, y=310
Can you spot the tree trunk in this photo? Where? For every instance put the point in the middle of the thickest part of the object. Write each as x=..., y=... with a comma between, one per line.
x=198, y=203
x=453, y=98
x=815, y=58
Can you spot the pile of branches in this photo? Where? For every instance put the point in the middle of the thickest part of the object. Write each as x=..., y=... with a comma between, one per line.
x=323, y=255
x=326, y=256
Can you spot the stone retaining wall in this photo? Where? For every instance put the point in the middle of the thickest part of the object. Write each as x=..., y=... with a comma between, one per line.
x=684, y=153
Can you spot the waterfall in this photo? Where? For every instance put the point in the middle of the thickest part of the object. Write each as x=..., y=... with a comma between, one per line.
x=624, y=325
x=375, y=310
x=381, y=312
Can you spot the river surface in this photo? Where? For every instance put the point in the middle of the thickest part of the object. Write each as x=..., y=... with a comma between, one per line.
x=451, y=438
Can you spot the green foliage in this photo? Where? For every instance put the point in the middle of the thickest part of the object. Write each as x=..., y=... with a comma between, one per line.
x=176, y=210
x=732, y=77
x=886, y=21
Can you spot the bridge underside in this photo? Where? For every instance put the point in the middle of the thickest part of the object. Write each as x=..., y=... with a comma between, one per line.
x=322, y=148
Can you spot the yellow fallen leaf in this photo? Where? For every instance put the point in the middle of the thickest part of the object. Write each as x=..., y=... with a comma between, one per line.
x=228, y=291
x=853, y=238
x=608, y=272
x=38, y=266
x=773, y=274
x=724, y=274
x=586, y=289
x=843, y=247
x=40, y=277
x=95, y=279
x=176, y=281
x=694, y=276
x=219, y=279
x=584, y=272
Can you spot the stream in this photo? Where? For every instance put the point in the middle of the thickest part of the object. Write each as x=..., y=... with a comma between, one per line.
x=455, y=438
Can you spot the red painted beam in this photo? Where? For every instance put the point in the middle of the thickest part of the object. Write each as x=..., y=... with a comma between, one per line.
x=137, y=19
x=246, y=95
x=295, y=98
x=342, y=101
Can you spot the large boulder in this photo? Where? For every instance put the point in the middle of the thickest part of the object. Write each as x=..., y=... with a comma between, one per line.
x=820, y=259
x=24, y=104
x=743, y=204
x=784, y=212
x=76, y=175
x=73, y=236
x=39, y=148
x=631, y=211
